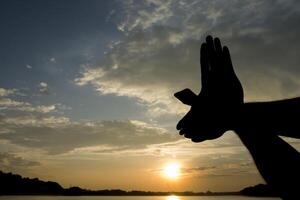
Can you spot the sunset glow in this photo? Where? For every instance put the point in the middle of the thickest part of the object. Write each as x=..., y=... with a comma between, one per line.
x=87, y=90
x=173, y=197
x=172, y=170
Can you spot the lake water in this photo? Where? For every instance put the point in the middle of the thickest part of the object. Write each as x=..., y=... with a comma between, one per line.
x=133, y=198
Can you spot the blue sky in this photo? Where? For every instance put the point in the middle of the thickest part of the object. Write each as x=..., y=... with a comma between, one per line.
x=49, y=42
x=86, y=87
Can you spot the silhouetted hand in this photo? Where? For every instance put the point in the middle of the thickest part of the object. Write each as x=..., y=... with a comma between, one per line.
x=212, y=111
x=219, y=107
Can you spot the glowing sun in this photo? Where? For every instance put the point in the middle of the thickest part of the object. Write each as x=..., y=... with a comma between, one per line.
x=172, y=197
x=172, y=170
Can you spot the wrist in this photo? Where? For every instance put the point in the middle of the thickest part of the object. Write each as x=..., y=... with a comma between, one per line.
x=255, y=116
x=238, y=117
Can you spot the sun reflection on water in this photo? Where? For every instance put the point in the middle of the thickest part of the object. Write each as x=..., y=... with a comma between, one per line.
x=172, y=197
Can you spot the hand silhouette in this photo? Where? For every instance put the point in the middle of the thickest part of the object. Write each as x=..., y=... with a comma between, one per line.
x=220, y=98
x=219, y=107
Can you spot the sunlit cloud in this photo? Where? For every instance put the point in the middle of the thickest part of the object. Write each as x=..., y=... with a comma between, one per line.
x=43, y=88
x=160, y=52
x=60, y=135
x=9, y=102
x=6, y=92
x=9, y=161
x=36, y=121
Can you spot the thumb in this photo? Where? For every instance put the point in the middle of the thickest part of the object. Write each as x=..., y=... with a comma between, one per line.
x=186, y=96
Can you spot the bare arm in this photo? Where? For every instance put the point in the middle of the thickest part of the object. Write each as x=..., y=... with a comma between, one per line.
x=273, y=118
x=277, y=161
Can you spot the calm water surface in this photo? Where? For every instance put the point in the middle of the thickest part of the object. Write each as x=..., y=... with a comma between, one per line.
x=132, y=198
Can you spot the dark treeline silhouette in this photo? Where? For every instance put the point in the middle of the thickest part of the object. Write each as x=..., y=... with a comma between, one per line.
x=259, y=190
x=13, y=184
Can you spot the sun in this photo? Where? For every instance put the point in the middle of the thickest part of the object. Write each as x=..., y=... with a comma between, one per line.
x=172, y=170
x=173, y=197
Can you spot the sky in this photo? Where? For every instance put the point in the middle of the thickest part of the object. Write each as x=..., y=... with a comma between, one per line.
x=86, y=88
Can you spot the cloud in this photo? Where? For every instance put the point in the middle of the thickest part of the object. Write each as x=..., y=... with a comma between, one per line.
x=9, y=162
x=160, y=51
x=53, y=60
x=40, y=109
x=7, y=92
x=28, y=66
x=145, y=74
x=221, y=157
x=10, y=104
x=187, y=171
x=234, y=164
x=7, y=102
x=36, y=121
x=43, y=88
x=144, y=14
x=59, y=135
x=199, y=168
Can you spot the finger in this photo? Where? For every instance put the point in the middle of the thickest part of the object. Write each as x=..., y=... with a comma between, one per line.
x=204, y=66
x=189, y=132
x=188, y=135
x=197, y=139
x=218, y=54
x=179, y=125
x=181, y=132
x=227, y=59
x=211, y=53
x=184, y=122
x=186, y=96
x=218, y=46
x=210, y=46
x=210, y=42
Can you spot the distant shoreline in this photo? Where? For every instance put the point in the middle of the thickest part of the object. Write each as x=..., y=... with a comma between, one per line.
x=117, y=195
x=16, y=185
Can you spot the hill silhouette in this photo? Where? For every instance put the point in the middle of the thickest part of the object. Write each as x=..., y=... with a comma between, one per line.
x=261, y=190
x=13, y=184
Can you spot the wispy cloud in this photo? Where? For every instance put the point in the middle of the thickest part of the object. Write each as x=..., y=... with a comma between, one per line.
x=43, y=88
x=7, y=102
x=9, y=161
x=28, y=66
x=35, y=121
x=7, y=92
x=53, y=60
x=10, y=103
x=160, y=51
x=60, y=135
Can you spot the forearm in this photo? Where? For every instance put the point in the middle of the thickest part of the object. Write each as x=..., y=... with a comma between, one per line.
x=277, y=161
x=276, y=117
